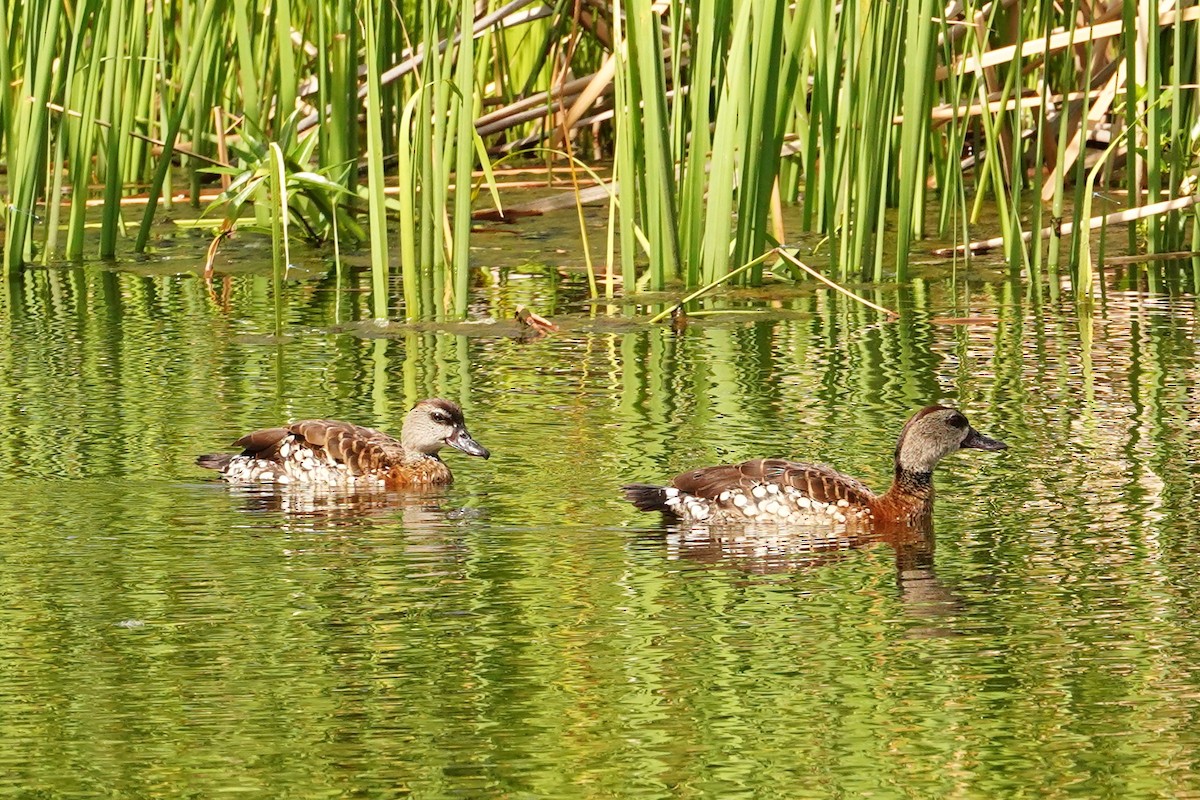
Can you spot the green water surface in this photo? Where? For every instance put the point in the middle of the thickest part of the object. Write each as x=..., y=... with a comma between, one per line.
x=525, y=633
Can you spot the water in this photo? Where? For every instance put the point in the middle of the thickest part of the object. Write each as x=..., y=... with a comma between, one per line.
x=525, y=633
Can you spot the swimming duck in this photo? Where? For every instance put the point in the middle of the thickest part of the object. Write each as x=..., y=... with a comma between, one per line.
x=778, y=491
x=332, y=453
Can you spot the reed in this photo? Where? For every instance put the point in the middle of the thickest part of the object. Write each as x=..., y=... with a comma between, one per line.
x=878, y=118
x=27, y=135
x=377, y=212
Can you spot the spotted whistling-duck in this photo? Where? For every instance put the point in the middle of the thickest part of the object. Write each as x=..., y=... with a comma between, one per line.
x=778, y=491
x=331, y=453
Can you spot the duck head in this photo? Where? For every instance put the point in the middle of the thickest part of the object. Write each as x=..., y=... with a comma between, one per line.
x=436, y=423
x=933, y=433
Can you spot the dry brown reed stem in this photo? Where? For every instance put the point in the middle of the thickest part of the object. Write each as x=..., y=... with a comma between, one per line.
x=1097, y=112
x=210, y=256
x=956, y=28
x=1128, y=215
x=1057, y=41
x=1141, y=258
x=947, y=112
x=413, y=59
x=180, y=148
x=595, y=88
x=222, y=145
x=531, y=107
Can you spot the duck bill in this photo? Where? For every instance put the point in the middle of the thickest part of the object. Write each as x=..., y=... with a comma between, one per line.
x=461, y=440
x=977, y=441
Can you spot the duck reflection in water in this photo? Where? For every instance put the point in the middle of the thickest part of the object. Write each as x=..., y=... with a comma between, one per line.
x=318, y=507
x=758, y=551
x=418, y=523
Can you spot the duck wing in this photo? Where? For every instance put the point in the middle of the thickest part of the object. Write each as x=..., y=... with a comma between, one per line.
x=363, y=450
x=815, y=481
x=263, y=443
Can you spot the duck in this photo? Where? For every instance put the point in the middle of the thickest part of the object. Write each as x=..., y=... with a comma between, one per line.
x=782, y=492
x=326, y=452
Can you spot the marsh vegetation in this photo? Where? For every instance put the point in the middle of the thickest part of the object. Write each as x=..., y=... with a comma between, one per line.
x=384, y=126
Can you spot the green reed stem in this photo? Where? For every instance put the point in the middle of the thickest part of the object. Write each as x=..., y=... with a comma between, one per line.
x=27, y=143
x=917, y=69
x=175, y=121
x=281, y=253
x=376, y=205
x=464, y=145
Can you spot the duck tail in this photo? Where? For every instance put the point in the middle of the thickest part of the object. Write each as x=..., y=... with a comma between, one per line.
x=214, y=460
x=647, y=497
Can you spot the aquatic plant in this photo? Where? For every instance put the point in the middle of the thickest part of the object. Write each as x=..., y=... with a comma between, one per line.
x=886, y=121
x=312, y=197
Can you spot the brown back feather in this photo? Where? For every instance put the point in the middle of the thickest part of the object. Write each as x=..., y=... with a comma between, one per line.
x=361, y=449
x=816, y=481
x=261, y=442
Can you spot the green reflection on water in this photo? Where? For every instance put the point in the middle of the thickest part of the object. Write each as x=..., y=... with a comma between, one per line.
x=528, y=634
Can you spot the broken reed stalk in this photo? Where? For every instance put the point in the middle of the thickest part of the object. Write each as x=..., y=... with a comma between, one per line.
x=786, y=256
x=1128, y=215
x=1143, y=258
x=791, y=259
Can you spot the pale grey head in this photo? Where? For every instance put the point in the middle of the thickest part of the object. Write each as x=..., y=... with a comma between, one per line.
x=935, y=432
x=436, y=423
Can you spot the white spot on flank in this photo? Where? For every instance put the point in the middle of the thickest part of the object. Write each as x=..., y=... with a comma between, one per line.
x=759, y=491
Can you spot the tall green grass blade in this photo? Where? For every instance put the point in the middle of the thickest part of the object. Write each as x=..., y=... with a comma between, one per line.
x=342, y=125
x=760, y=141
x=917, y=69
x=376, y=206
x=175, y=121
x=7, y=84
x=27, y=142
x=285, y=97
x=407, y=185
x=247, y=63
x=464, y=146
x=716, y=255
x=281, y=252
x=1156, y=132
x=114, y=111
x=658, y=186
x=82, y=81
x=706, y=56
x=625, y=169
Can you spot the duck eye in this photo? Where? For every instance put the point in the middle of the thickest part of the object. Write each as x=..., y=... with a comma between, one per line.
x=958, y=421
x=438, y=416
